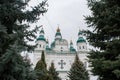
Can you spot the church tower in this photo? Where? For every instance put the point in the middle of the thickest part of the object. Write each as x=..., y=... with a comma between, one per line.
x=41, y=41
x=59, y=44
x=81, y=42
x=58, y=35
x=41, y=46
x=72, y=49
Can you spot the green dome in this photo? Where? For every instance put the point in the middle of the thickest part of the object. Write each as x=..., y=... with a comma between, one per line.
x=42, y=31
x=81, y=39
x=58, y=34
x=72, y=49
x=47, y=48
x=80, y=33
x=41, y=37
x=53, y=44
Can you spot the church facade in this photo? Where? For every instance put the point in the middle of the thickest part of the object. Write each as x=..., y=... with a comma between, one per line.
x=61, y=52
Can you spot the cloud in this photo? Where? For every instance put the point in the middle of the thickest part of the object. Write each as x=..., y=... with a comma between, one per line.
x=68, y=14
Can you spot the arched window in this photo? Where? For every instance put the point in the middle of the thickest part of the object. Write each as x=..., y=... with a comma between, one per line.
x=83, y=47
x=40, y=45
x=79, y=47
x=61, y=49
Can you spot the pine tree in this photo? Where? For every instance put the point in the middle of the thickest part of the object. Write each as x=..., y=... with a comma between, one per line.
x=14, y=38
x=105, y=21
x=41, y=68
x=43, y=59
x=15, y=67
x=53, y=73
x=78, y=71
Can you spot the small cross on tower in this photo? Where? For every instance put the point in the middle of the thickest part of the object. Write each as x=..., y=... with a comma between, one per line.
x=61, y=63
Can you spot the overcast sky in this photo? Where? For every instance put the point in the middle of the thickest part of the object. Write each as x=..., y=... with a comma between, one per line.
x=68, y=14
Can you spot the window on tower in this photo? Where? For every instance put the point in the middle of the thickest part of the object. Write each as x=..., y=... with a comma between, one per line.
x=61, y=49
x=79, y=47
x=83, y=47
x=40, y=45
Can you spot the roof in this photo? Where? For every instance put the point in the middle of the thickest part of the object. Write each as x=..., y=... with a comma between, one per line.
x=58, y=33
x=72, y=49
x=80, y=33
x=47, y=48
x=81, y=39
x=53, y=44
x=41, y=37
x=42, y=31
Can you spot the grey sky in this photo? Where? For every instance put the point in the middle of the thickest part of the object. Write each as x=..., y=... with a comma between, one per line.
x=68, y=14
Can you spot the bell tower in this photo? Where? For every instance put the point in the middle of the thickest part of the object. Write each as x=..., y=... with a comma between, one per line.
x=41, y=41
x=81, y=42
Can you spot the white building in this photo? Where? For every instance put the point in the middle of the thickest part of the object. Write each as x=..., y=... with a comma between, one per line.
x=61, y=52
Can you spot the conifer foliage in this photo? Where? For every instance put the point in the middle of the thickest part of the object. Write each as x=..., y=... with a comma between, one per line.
x=78, y=71
x=14, y=37
x=53, y=73
x=41, y=68
x=105, y=21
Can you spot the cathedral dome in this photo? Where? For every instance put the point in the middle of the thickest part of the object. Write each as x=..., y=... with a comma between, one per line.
x=58, y=34
x=41, y=37
x=53, y=44
x=80, y=33
x=72, y=49
x=81, y=39
x=42, y=31
x=61, y=42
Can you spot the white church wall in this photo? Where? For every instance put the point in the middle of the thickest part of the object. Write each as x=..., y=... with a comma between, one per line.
x=41, y=45
x=81, y=46
x=61, y=66
x=63, y=75
x=61, y=48
x=37, y=57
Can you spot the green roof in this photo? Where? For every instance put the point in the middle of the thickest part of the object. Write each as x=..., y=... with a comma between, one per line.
x=42, y=31
x=41, y=37
x=81, y=39
x=58, y=33
x=80, y=33
x=53, y=44
x=72, y=49
x=47, y=48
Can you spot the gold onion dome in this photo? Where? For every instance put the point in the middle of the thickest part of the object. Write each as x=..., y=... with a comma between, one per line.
x=58, y=29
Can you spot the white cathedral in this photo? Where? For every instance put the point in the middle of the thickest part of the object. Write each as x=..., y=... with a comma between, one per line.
x=61, y=52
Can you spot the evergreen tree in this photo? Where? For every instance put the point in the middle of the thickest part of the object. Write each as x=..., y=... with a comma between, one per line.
x=53, y=73
x=105, y=21
x=15, y=67
x=43, y=59
x=78, y=71
x=14, y=38
x=49, y=77
x=41, y=68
